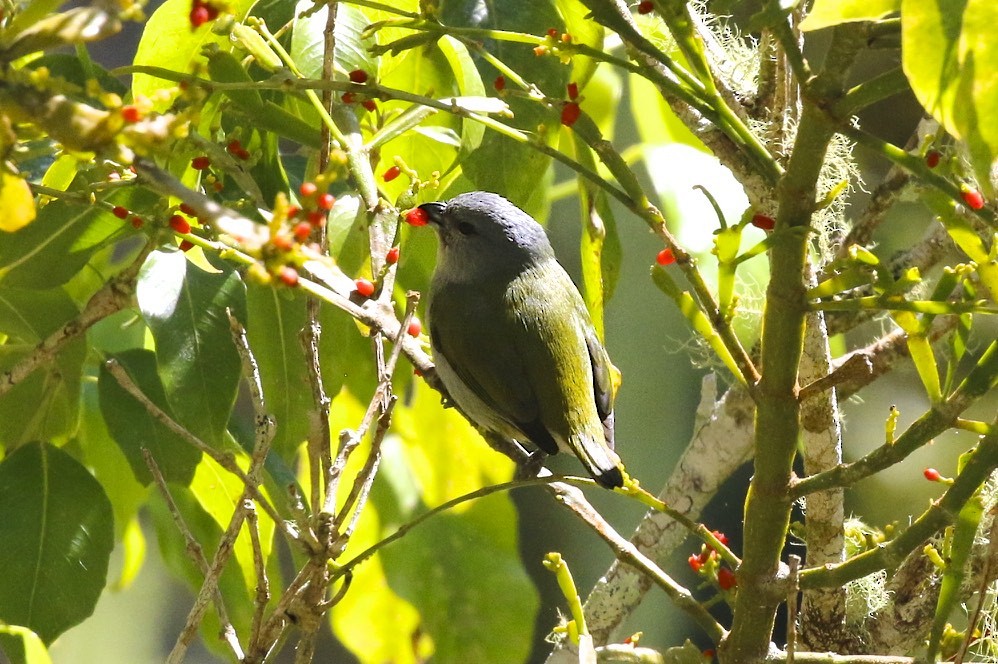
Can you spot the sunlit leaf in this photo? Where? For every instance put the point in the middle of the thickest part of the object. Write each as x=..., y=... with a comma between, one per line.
x=949, y=55
x=185, y=307
x=22, y=646
x=430, y=433
x=45, y=404
x=134, y=428
x=826, y=13
x=17, y=205
x=462, y=571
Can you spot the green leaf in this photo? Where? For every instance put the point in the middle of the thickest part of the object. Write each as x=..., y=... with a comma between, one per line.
x=44, y=405
x=949, y=54
x=275, y=324
x=307, y=40
x=168, y=39
x=826, y=13
x=469, y=84
x=218, y=492
x=423, y=70
x=133, y=428
x=428, y=433
x=372, y=621
x=60, y=241
x=656, y=122
x=58, y=532
x=263, y=114
x=75, y=26
x=22, y=646
x=502, y=164
x=584, y=31
x=174, y=553
x=105, y=458
x=464, y=575
x=185, y=308
x=17, y=205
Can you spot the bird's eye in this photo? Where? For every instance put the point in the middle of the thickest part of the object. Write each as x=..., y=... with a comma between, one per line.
x=465, y=228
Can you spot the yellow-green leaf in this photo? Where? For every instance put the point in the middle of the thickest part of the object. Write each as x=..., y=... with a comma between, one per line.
x=827, y=13
x=17, y=205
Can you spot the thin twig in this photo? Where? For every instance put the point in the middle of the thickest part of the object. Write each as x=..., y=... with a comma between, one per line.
x=195, y=553
x=223, y=459
x=793, y=562
x=115, y=295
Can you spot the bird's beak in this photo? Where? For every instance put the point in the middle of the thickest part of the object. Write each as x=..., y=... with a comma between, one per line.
x=434, y=211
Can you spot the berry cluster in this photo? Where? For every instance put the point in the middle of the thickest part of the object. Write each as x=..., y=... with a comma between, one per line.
x=201, y=13
x=359, y=76
x=708, y=564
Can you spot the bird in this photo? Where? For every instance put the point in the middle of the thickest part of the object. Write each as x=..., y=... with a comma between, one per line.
x=512, y=340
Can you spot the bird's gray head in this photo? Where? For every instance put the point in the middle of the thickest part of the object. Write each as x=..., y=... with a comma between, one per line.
x=482, y=230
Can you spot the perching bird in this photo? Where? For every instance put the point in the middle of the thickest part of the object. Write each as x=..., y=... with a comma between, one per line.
x=512, y=340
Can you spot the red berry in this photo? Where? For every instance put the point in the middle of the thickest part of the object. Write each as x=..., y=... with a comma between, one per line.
x=186, y=245
x=369, y=105
x=243, y=153
x=212, y=12
x=120, y=212
x=188, y=210
x=308, y=189
x=282, y=243
x=136, y=221
x=131, y=113
x=721, y=537
x=199, y=16
x=645, y=7
x=553, y=33
x=288, y=276
x=391, y=174
x=932, y=158
x=325, y=202
x=234, y=146
x=665, y=257
x=200, y=163
x=763, y=222
x=573, y=91
x=540, y=50
x=695, y=563
x=348, y=98
x=364, y=287
x=302, y=231
x=317, y=218
x=417, y=217
x=358, y=76
x=972, y=197
x=932, y=474
x=726, y=579
x=415, y=327
x=293, y=211
x=500, y=83
x=179, y=224
x=392, y=257
x=570, y=113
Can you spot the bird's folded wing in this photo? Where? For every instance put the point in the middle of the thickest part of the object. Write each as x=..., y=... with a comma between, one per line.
x=478, y=342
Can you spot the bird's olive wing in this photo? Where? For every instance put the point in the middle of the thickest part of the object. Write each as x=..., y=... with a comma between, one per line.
x=469, y=328
x=602, y=382
x=567, y=371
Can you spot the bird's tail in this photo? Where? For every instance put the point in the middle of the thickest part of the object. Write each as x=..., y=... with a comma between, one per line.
x=601, y=462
